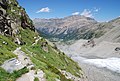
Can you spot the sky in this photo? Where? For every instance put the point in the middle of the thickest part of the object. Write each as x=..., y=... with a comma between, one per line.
x=100, y=10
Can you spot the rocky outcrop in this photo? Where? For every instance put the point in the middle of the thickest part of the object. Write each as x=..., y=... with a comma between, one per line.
x=12, y=18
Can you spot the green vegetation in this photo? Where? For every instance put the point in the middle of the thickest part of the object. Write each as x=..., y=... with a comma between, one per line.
x=27, y=36
x=6, y=46
x=51, y=61
x=7, y=42
x=4, y=76
x=36, y=79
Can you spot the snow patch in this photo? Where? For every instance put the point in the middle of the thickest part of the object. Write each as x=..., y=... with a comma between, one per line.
x=112, y=64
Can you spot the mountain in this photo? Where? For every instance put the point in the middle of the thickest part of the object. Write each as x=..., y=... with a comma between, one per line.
x=73, y=28
x=68, y=28
x=112, y=34
x=25, y=55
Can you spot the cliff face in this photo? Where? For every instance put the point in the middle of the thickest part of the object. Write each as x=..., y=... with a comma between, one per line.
x=12, y=14
x=12, y=18
x=23, y=51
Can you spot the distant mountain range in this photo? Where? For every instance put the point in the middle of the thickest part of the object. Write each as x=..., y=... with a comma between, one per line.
x=73, y=27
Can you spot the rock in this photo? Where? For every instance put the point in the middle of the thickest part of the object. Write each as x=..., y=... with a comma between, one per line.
x=19, y=42
x=15, y=28
x=44, y=44
x=117, y=49
x=0, y=46
x=3, y=4
x=11, y=18
x=2, y=11
x=11, y=65
x=4, y=42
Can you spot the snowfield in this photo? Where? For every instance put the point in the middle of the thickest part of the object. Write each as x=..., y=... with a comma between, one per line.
x=101, y=60
x=112, y=64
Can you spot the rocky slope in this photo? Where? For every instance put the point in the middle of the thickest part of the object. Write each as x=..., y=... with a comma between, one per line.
x=112, y=34
x=23, y=51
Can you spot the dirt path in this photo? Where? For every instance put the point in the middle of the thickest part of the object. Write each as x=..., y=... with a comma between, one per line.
x=18, y=63
x=25, y=60
x=31, y=75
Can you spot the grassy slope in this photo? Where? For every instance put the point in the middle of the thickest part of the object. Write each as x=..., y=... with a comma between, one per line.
x=5, y=49
x=5, y=54
x=4, y=76
x=49, y=62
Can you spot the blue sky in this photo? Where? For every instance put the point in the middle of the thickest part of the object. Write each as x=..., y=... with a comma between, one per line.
x=101, y=10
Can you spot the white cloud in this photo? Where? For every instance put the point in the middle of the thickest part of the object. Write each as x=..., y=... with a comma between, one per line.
x=46, y=9
x=87, y=13
x=76, y=13
x=96, y=9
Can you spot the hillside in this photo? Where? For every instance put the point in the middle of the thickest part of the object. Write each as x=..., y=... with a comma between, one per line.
x=113, y=34
x=24, y=55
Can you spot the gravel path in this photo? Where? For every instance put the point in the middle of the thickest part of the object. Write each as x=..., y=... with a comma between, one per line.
x=31, y=75
x=20, y=62
x=17, y=63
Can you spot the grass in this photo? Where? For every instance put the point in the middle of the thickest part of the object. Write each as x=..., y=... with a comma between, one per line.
x=50, y=76
x=36, y=79
x=27, y=36
x=10, y=45
x=5, y=54
x=6, y=49
x=51, y=61
x=4, y=76
x=60, y=61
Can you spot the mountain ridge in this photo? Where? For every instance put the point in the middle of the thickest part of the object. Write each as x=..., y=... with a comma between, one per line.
x=77, y=27
x=65, y=27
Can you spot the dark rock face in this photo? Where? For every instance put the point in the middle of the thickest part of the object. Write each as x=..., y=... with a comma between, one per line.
x=25, y=23
x=12, y=17
x=3, y=4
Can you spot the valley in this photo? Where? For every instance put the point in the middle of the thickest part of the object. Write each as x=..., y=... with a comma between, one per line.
x=97, y=53
x=43, y=47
